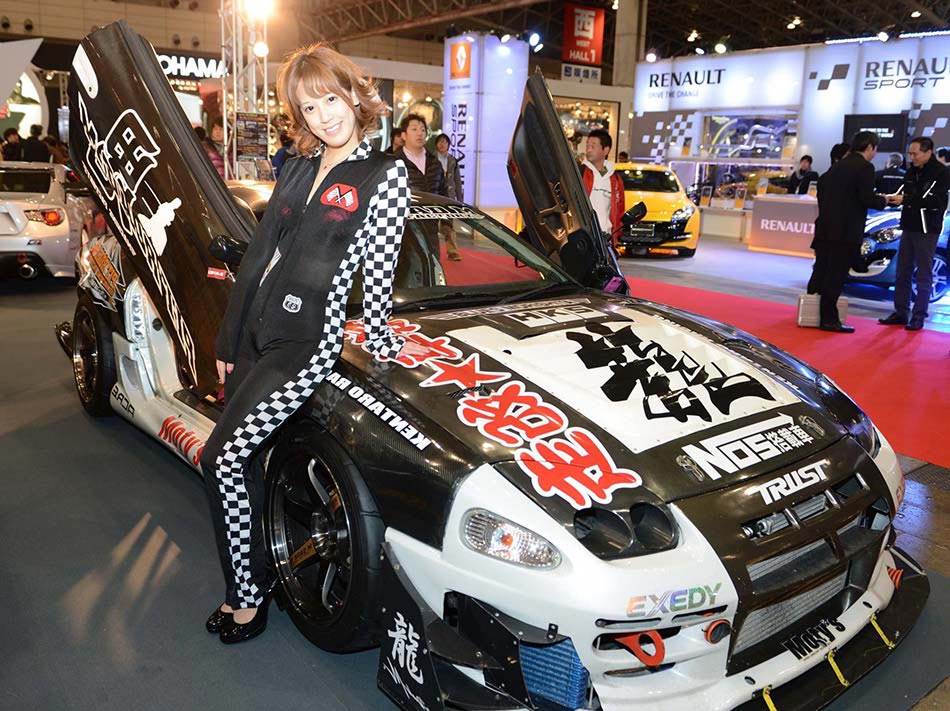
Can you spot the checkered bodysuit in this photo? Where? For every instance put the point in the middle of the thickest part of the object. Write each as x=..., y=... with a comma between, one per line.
x=283, y=330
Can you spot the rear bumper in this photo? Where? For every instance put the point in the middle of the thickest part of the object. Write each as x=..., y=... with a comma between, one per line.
x=12, y=262
x=48, y=248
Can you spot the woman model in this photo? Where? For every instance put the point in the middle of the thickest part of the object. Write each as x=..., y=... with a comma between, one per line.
x=338, y=206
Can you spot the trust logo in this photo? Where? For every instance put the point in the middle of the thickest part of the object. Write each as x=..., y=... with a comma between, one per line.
x=839, y=72
x=340, y=195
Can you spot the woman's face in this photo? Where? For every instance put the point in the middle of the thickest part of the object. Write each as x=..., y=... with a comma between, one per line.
x=329, y=117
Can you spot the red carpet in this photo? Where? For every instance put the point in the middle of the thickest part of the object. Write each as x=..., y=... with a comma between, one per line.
x=901, y=379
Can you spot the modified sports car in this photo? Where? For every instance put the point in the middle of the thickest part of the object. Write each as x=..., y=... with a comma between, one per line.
x=877, y=263
x=574, y=499
x=46, y=215
x=672, y=220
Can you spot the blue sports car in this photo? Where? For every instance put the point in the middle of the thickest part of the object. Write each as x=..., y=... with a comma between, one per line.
x=877, y=264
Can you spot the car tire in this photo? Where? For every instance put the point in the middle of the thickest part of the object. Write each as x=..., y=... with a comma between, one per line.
x=687, y=252
x=314, y=493
x=941, y=276
x=93, y=357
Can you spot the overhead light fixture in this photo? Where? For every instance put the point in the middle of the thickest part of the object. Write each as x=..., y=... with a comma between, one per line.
x=928, y=33
x=533, y=39
x=538, y=46
x=854, y=40
x=630, y=114
x=693, y=36
x=721, y=47
x=700, y=50
x=616, y=5
x=883, y=36
x=796, y=21
x=651, y=56
x=406, y=96
x=260, y=49
x=790, y=26
x=915, y=14
x=505, y=37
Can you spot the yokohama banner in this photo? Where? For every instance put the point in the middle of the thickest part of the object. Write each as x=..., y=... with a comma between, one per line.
x=583, y=34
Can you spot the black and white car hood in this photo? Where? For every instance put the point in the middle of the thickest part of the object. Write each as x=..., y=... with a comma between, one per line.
x=594, y=399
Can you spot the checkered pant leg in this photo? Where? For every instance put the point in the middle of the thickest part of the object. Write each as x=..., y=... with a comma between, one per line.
x=377, y=242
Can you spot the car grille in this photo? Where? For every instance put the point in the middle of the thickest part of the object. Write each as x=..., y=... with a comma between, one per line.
x=661, y=232
x=761, y=624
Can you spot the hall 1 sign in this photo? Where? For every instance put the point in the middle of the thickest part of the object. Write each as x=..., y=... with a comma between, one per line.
x=583, y=34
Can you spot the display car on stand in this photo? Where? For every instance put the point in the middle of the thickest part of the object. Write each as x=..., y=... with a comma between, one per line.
x=573, y=499
x=877, y=264
x=46, y=215
x=671, y=225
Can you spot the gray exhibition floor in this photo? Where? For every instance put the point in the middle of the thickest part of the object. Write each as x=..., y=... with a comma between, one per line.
x=109, y=570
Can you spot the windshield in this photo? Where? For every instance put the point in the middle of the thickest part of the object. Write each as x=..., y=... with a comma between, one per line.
x=25, y=181
x=649, y=181
x=493, y=262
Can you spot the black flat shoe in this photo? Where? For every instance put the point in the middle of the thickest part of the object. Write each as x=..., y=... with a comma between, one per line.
x=915, y=324
x=235, y=632
x=895, y=319
x=218, y=621
x=836, y=328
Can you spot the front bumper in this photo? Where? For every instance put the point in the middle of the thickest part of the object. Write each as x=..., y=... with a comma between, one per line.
x=658, y=237
x=483, y=660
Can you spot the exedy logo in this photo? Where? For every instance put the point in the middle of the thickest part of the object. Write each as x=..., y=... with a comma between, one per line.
x=340, y=195
x=669, y=601
x=813, y=639
x=839, y=72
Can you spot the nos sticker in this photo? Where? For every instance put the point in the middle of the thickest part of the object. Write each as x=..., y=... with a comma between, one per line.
x=340, y=195
x=292, y=303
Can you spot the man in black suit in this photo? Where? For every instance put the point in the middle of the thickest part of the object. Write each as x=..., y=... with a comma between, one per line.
x=799, y=181
x=425, y=170
x=845, y=193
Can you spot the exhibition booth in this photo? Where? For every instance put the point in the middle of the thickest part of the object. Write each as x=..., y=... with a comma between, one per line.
x=738, y=123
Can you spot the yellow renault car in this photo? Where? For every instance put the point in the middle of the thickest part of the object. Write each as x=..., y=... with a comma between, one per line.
x=671, y=225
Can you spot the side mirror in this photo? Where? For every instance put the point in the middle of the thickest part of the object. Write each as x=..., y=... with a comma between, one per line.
x=227, y=249
x=634, y=214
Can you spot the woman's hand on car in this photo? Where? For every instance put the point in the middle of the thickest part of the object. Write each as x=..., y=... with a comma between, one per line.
x=223, y=369
x=411, y=349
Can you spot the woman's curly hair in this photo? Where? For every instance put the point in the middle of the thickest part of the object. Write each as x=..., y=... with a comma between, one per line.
x=319, y=70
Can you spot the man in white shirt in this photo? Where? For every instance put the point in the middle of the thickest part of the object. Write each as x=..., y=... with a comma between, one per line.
x=603, y=185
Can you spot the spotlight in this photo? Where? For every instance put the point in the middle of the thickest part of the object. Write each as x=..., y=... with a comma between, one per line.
x=538, y=46
x=651, y=56
x=790, y=26
x=630, y=114
x=260, y=49
x=534, y=38
x=883, y=36
x=915, y=14
x=700, y=50
x=616, y=5
x=693, y=36
x=796, y=21
x=721, y=47
x=195, y=41
x=505, y=37
x=28, y=25
x=429, y=99
x=176, y=40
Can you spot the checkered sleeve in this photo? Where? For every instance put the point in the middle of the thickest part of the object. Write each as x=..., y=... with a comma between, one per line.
x=388, y=211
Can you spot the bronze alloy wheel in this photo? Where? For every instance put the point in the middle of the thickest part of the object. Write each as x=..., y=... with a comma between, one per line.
x=310, y=538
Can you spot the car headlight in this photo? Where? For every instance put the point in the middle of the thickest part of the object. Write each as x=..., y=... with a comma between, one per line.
x=849, y=415
x=683, y=214
x=867, y=246
x=497, y=537
x=888, y=235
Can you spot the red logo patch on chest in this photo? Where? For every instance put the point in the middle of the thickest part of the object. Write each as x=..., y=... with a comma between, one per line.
x=340, y=195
